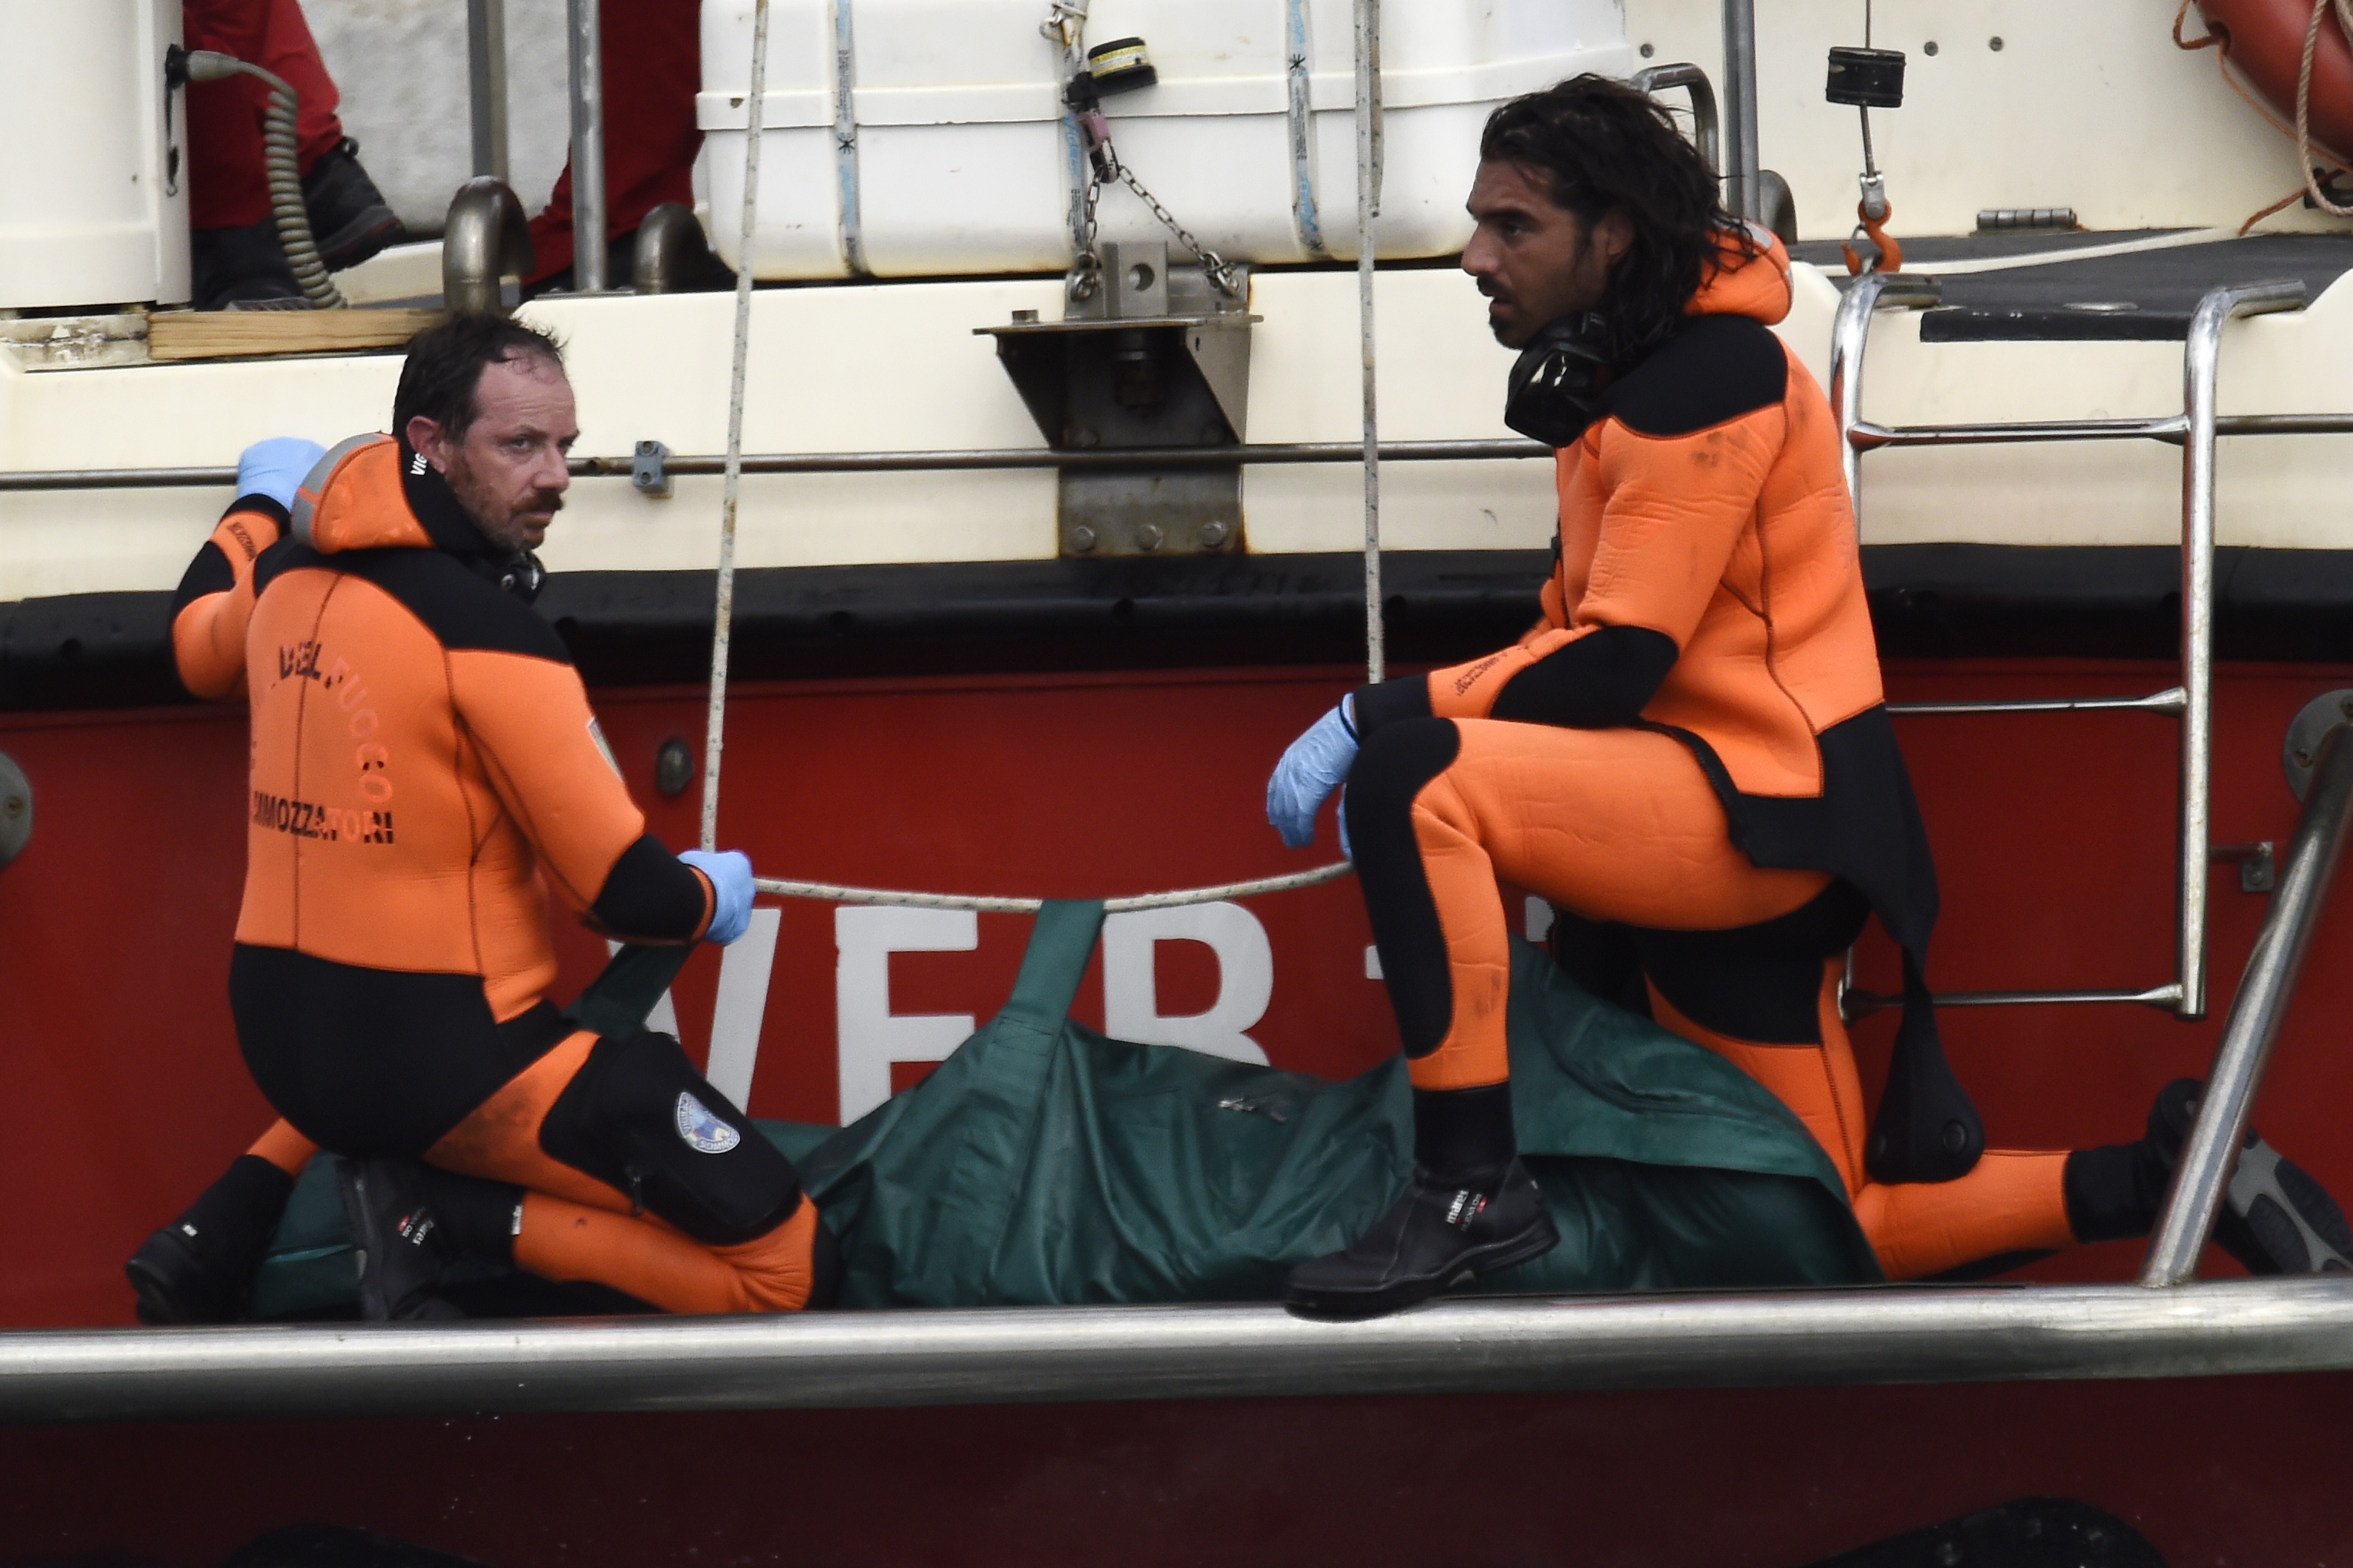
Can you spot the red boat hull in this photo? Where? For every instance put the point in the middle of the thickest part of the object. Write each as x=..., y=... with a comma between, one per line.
x=2054, y=837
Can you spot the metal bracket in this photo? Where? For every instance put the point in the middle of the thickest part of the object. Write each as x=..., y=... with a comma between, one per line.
x=2257, y=869
x=1156, y=358
x=2300, y=752
x=649, y=471
x=15, y=809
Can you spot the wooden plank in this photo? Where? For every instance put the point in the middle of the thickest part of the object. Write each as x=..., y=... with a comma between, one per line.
x=220, y=334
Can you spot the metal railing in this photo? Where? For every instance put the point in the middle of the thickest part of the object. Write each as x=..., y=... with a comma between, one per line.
x=585, y=47
x=2194, y=430
x=1741, y=196
x=486, y=80
x=1655, y=79
x=1494, y=1345
x=875, y=462
x=2202, y=1174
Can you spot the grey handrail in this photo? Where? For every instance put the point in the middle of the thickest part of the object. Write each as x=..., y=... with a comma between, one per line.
x=2195, y=429
x=1683, y=74
x=2203, y=1172
x=842, y=1360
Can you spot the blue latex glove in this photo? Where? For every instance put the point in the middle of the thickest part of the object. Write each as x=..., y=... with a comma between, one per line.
x=730, y=871
x=275, y=467
x=1309, y=771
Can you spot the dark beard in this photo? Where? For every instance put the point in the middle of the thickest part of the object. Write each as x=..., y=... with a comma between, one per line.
x=496, y=521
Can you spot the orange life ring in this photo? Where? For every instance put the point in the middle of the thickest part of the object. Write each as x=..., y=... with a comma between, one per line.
x=2265, y=39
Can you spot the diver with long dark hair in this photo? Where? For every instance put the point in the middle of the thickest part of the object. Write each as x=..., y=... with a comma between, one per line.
x=1689, y=755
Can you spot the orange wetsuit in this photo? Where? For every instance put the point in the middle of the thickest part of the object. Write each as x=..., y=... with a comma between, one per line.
x=1692, y=744
x=423, y=752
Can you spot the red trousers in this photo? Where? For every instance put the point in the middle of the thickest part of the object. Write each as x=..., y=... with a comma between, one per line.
x=227, y=185
x=653, y=67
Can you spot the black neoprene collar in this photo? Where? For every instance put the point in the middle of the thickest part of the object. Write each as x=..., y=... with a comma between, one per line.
x=454, y=533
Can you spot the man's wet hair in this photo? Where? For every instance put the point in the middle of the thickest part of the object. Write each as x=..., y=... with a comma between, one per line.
x=443, y=374
x=1602, y=145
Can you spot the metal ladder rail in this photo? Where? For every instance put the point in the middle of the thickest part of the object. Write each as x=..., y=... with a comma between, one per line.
x=2195, y=430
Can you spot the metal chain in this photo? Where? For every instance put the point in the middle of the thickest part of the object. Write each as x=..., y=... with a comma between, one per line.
x=1086, y=268
x=1086, y=272
x=1220, y=270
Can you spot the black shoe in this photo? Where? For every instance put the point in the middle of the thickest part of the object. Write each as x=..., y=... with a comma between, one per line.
x=1432, y=1237
x=199, y=1269
x=2275, y=1219
x=399, y=1240
x=240, y=267
x=350, y=219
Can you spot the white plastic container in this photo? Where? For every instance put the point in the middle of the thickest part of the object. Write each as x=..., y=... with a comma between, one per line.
x=955, y=158
x=92, y=211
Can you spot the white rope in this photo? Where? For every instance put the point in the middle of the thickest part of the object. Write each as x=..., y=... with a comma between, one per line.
x=2173, y=241
x=2304, y=101
x=723, y=617
x=1368, y=205
x=833, y=893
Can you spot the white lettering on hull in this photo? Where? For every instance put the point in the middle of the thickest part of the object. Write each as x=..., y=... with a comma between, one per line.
x=1245, y=979
x=870, y=1037
x=743, y=968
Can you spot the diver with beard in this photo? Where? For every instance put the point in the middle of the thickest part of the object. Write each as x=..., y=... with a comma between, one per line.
x=423, y=755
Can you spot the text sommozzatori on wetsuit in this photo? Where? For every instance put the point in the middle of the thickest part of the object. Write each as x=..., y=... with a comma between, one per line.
x=308, y=819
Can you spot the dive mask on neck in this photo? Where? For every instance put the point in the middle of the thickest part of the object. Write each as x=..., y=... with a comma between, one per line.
x=1555, y=386
x=522, y=575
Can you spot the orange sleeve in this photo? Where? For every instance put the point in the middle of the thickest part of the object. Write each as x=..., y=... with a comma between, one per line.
x=545, y=757
x=209, y=620
x=1676, y=508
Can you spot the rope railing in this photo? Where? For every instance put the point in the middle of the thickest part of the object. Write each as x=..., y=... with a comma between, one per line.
x=723, y=612
x=987, y=904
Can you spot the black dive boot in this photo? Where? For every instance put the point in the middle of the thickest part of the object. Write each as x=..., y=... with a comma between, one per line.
x=1471, y=1209
x=409, y=1222
x=199, y=1269
x=2275, y=1219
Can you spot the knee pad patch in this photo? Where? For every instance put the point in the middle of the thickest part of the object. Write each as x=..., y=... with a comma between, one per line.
x=638, y=1117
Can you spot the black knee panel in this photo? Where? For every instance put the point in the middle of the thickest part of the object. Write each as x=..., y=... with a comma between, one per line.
x=1761, y=982
x=1396, y=763
x=1600, y=957
x=638, y=1117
